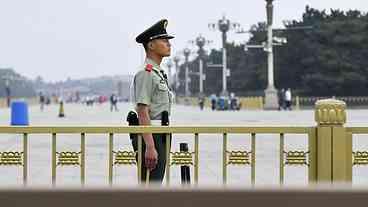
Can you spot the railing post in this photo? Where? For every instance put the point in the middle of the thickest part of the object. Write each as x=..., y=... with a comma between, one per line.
x=185, y=170
x=53, y=158
x=297, y=103
x=334, y=149
x=25, y=158
x=260, y=102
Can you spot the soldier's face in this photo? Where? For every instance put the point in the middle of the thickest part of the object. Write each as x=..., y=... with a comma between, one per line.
x=161, y=47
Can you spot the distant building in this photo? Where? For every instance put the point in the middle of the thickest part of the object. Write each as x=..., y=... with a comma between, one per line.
x=104, y=85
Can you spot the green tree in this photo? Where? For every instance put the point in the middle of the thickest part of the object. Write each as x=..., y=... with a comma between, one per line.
x=328, y=60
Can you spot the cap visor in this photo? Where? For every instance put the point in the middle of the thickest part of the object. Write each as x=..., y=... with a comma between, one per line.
x=165, y=37
x=170, y=37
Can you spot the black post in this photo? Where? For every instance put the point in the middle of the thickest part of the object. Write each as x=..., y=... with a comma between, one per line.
x=7, y=92
x=185, y=171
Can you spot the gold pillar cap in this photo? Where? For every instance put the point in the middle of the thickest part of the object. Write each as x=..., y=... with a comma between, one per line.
x=330, y=112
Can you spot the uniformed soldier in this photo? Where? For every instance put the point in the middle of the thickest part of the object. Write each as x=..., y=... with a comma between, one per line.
x=152, y=97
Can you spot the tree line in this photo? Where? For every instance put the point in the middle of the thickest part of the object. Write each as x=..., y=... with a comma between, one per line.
x=331, y=59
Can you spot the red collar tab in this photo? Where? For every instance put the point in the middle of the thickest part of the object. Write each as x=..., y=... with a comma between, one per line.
x=149, y=67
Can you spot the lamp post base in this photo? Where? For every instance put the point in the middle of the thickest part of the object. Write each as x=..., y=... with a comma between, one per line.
x=224, y=93
x=271, y=99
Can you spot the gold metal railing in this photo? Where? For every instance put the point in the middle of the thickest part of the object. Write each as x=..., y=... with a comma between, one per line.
x=230, y=157
x=329, y=157
x=15, y=158
x=352, y=101
x=358, y=158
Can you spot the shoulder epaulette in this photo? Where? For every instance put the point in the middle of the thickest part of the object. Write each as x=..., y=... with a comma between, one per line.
x=149, y=67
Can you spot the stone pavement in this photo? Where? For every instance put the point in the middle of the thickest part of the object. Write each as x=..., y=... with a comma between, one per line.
x=210, y=171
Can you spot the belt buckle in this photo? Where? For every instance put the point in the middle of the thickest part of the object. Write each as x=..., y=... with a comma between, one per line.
x=156, y=122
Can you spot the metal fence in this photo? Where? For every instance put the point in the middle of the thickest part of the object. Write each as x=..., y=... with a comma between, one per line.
x=230, y=157
x=329, y=156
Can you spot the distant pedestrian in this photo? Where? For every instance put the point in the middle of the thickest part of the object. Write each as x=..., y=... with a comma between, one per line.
x=239, y=104
x=221, y=103
x=89, y=101
x=281, y=99
x=42, y=101
x=213, y=99
x=113, y=103
x=288, y=99
x=48, y=100
x=233, y=102
x=201, y=102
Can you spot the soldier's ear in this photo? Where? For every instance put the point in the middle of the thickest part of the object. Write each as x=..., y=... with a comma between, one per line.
x=150, y=45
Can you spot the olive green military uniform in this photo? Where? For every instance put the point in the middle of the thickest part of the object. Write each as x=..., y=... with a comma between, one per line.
x=151, y=88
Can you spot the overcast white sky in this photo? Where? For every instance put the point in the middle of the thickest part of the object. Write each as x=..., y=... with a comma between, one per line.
x=86, y=38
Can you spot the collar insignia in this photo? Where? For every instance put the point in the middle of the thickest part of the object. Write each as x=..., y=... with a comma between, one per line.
x=149, y=67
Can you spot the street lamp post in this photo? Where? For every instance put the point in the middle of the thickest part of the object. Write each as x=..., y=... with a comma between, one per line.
x=224, y=25
x=169, y=65
x=271, y=100
x=186, y=55
x=7, y=92
x=120, y=88
x=269, y=50
x=7, y=78
x=176, y=61
x=200, y=41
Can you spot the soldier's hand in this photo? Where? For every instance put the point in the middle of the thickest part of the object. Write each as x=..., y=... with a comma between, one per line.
x=151, y=158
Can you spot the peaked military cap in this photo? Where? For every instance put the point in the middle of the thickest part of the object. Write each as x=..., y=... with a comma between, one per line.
x=156, y=31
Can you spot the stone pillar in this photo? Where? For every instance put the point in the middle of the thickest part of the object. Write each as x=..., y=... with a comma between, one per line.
x=271, y=99
x=334, y=147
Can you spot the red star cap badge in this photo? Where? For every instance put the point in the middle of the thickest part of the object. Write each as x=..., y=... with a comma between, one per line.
x=149, y=67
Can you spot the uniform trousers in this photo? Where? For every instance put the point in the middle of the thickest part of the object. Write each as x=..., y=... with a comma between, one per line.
x=157, y=174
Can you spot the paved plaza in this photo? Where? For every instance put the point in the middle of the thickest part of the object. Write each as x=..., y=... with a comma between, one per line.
x=210, y=157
